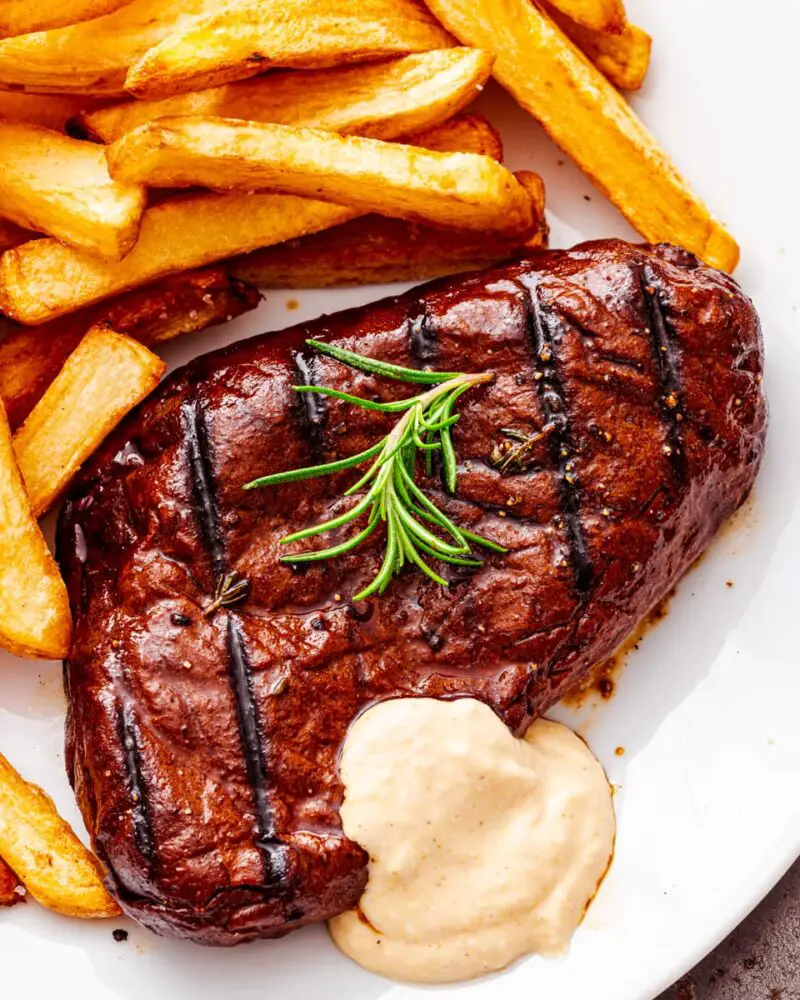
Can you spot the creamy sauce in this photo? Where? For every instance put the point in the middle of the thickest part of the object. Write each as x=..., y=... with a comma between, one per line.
x=482, y=847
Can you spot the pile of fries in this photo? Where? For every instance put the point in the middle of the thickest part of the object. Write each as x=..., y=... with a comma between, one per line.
x=317, y=142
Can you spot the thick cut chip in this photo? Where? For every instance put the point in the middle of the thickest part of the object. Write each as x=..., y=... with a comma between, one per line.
x=34, y=610
x=43, y=850
x=103, y=379
x=21, y=17
x=61, y=186
x=584, y=114
x=377, y=250
x=247, y=36
x=597, y=15
x=93, y=57
x=31, y=357
x=624, y=58
x=43, y=279
x=459, y=190
x=381, y=100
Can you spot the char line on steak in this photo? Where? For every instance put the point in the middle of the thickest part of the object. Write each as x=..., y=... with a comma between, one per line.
x=204, y=748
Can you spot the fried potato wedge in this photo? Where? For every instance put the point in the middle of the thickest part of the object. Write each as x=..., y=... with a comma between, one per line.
x=463, y=134
x=381, y=100
x=624, y=58
x=460, y=190
x=35, y=618
x=21, y=17
x=12, y=235
x=245, y=37
x=106, y=375
x=43, y=279
x=376, y=250
x=31, y=357
x=51, y=111
x=584, y=114
x=61, y=186
x=93, y=57
x=597, y=15
x=11, y=892
x=54, y=866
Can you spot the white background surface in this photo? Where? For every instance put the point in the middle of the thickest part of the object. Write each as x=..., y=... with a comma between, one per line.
x=708, y=791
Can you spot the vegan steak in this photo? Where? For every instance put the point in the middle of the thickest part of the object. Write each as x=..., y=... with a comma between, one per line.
x=211, y=685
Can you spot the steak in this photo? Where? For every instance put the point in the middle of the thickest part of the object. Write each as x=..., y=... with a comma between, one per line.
x=203, y=736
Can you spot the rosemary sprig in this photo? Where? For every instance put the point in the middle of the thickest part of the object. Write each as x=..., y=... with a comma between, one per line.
x=415, y=527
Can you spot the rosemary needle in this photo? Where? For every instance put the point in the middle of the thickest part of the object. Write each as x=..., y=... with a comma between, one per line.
x=415, y=527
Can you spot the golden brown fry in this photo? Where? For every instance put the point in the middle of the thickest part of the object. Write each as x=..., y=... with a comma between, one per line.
x=460, y=190
x=10, y=890
x=463, y=134
x=45, y=279
x=51, y=111
x=596, y=15
x=31, y=357
x=34, y=611
x=374, y=250
x=12, y=235
x=589, y=120
x=21, y=17
x=623, y=58
x=57, y=185
x=247, y=36
x=42, y=849
x=381, y=100
x=93, y=57
x=39, y=283
x=102, y=380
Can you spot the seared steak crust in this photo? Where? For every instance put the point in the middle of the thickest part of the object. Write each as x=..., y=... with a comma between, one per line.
x=203, y=746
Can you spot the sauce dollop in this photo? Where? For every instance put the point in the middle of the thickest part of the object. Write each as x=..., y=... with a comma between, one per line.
x=483, y=847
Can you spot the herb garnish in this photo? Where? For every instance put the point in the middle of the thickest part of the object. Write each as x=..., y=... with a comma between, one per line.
x=392, y=496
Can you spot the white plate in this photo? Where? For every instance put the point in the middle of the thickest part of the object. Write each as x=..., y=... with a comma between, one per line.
x=708, y=804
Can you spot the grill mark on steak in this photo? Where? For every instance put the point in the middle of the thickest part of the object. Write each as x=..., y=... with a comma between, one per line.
x=140, y=810
x=422, y=340
x=239, y=671
x=313, y=411
x=249, y=722
x=542, y=330
x=204, y=493
x=666, y=359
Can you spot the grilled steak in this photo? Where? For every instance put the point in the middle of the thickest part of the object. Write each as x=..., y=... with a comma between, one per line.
x=202, y=742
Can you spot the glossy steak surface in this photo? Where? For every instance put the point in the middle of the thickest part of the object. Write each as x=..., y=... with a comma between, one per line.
x=203, y=746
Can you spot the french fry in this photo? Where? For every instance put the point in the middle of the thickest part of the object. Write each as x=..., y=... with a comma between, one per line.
x=57, y=185
x=589, y=120
x=624, y=58
x=12, y=235
x=51, y=111
x=245, y=37
x=460, y=190
x=93, y=57
x=44, y=279
x=31, y=357
x=34, y=610
x=376, y=250
x=463, y=134
x=10, y=890
x=381, y=100
x=41, y=847
x=596, y=15
x=21, y=17
x=102, y=380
